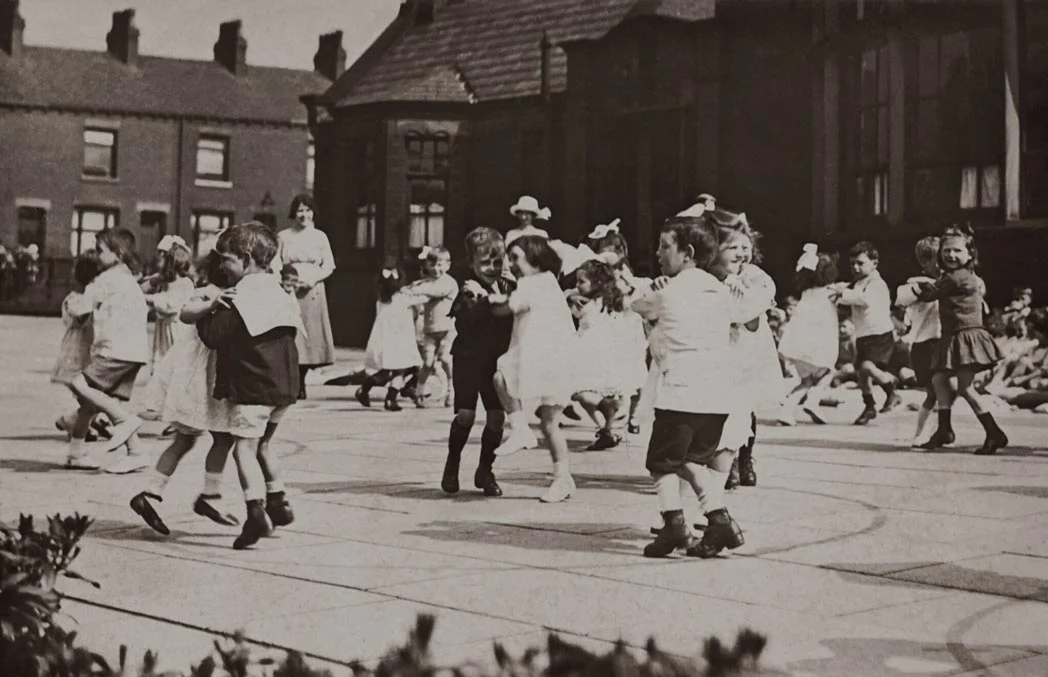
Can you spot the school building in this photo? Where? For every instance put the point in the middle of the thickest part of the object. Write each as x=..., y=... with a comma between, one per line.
x=91, y=140
x=831, y=121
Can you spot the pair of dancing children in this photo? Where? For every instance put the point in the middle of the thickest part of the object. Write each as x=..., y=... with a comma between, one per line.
x=516, y=344
x=945, y=308
x=399, y=354
x=232, y=372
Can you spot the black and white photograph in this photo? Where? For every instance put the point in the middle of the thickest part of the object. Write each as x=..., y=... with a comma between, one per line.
x=523, y=338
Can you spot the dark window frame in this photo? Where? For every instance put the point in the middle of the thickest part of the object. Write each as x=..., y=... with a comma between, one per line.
x=955, y=124
x=428, y=169
x=226, y=217
x=97, y=172
x=25, y=215
x=77, y=228
x=364, y=166
x=226, y=152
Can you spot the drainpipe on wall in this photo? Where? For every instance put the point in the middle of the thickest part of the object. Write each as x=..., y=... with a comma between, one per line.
x=179, y=170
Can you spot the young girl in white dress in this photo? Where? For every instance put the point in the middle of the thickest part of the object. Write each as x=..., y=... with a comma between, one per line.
x=609, y=368
x=608, y=244
x=810, y=342
x=539, y=367
x=754, y=347
x=185, y=383
x=167, y=292
x=392, y=350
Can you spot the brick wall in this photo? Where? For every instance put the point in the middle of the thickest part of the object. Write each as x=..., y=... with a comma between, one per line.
x=41, y=159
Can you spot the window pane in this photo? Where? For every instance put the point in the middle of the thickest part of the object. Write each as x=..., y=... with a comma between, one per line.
x=954, y=66
x=928, y=130
x=868, y=137
x=95, y=221
x=882, y=75
x=211, y=158
x=417, y=232
x=882, y=135
x=969, y=188
x=928, y=66
x=98, y=161
x=869, y=77
x=207, y=227
x=880, y=194
x=436, y=229
x=97, y=137
x=990, y=188
x=860, y=197
x=364, y=230
x=32, y=227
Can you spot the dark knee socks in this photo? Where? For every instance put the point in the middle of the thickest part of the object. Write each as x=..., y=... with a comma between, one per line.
x=490, y=439
x=457, y=438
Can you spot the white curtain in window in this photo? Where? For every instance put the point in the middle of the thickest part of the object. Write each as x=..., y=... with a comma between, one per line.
x=208, y=228
x=87, y=224
x=991, y=186
x=364, y=233
x=436, y=225
x=880, y=194
x=417, y=231
x=969, y=188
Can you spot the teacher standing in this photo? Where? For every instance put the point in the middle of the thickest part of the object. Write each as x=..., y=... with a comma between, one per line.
x=307, y=249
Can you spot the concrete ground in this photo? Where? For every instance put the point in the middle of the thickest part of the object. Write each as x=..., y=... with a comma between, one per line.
x=862, y=556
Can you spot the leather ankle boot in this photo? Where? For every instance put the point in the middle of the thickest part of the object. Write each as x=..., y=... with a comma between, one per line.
x=722, y=531
x=733, y=475
x=673, y=535
x=449, y=482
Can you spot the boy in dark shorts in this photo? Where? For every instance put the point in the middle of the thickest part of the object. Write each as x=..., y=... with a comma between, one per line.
x=871, y=303
x=252, y=329
x=925, y=329
x=482, y=337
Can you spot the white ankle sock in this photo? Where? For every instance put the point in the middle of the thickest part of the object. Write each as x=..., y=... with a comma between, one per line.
x=212, y=483
x=274, y=486
x=561, y=469
x=668, y=488
x=157, y=482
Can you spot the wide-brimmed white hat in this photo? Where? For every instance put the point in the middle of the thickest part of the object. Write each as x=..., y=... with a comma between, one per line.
x=526, y=203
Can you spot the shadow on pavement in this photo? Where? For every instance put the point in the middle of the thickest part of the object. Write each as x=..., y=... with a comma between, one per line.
x=901, y=658
x=948, y=575
x=889, y=447
x=32, y=465
x=640, y=484
x=1032, y=492
x=559, y=536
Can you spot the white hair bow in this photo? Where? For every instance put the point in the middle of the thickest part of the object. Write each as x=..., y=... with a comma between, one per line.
x=545, y=214
x=602, y=230
x=424, y=254
x=705, y=203
x=169, y=242
x=389, y=274
x=809, y=260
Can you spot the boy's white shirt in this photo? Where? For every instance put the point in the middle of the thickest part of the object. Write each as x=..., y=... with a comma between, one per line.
x=690, y=343
x=118, y=309
x=923, y=316
x=263, y=304
x=871, y=304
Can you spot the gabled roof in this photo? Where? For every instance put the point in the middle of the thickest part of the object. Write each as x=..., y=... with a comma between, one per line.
x=83, y=80
x=495, y=46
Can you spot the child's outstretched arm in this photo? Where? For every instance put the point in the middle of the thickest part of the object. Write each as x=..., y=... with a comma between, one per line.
x=84, y=304
x=197, y=307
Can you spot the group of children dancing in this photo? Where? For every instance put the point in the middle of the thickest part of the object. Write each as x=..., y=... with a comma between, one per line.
x=224, y=363
x=533, y=325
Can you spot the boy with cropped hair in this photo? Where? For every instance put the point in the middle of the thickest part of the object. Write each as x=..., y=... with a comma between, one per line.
x=252, y=328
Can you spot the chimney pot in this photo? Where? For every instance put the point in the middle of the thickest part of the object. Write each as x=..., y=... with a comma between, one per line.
x=12, y=26
x=231, y=48
x=330, y=59
x=425, y=11
x=122, y=40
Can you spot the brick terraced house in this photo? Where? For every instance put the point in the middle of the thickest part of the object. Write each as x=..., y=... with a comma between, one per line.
x=92, y=140
x=826, y=121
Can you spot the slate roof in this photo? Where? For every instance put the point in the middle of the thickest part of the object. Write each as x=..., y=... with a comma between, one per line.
x=494, y=45
x=84, y=80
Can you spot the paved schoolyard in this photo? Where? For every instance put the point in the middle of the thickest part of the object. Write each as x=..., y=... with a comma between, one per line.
x=862, y=556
